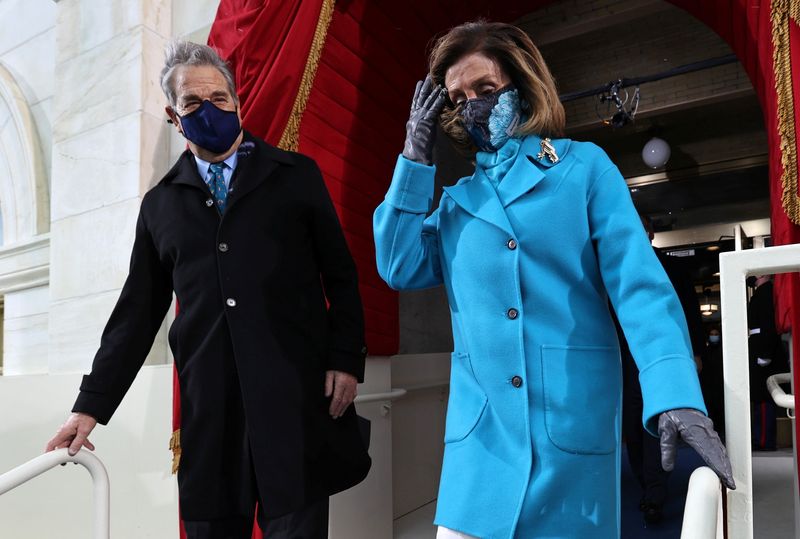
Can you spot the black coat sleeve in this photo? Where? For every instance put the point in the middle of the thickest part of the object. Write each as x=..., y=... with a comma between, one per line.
x=346, y=348
x=130, y=331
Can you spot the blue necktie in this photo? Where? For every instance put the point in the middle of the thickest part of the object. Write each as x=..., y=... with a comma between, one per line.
x=216, y=183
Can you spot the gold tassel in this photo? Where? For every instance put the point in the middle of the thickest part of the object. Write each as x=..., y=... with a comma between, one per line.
x=175, y=447
x=291, y=133
x=784, y=13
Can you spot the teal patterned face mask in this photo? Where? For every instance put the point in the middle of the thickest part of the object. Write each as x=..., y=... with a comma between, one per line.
x=490, y=120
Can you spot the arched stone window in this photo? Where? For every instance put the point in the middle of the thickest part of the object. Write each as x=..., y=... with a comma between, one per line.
x=24, y=191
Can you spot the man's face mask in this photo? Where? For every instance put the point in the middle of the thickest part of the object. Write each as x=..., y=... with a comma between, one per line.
x=714, y=339
x=211, y=128
x=490, y=120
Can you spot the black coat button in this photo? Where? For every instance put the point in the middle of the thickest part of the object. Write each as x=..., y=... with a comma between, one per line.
x=210, y=202
x=223, y=247
x=516, y=381
x=512, y=313
x=512, y=244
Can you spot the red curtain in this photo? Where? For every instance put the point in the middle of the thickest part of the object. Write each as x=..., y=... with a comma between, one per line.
x=267, y=43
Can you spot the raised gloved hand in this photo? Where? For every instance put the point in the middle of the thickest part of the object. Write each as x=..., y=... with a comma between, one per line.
x=698, y=431
x=421, y=126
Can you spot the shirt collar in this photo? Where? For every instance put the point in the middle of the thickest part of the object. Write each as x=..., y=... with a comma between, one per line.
x=202, y=165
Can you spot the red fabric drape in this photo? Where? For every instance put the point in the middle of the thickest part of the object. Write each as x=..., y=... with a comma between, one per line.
x=267, y=43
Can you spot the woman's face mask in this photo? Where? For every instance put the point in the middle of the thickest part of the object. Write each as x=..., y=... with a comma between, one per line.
x=490, y=120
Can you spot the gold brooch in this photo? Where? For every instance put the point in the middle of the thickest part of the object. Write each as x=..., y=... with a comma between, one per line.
x=548, y=150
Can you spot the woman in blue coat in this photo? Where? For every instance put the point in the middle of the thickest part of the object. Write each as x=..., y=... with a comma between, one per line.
x=530, y=249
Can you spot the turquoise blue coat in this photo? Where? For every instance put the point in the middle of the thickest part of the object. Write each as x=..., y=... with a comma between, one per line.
x=532, y=440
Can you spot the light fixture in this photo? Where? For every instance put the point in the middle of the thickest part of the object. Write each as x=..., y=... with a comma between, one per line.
x=707, y=309
x=656, y=152
x=712, y=248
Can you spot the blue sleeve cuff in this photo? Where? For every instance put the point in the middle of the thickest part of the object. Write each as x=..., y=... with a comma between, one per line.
x=412, y=186
x=668, y=384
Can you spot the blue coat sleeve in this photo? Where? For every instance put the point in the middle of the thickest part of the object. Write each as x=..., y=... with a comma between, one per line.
x=406, y=242
x=643, y=298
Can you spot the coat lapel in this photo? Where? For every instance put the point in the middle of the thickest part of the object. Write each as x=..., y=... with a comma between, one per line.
x=185, y=172
x=477, y=196
x=257, y=160
x=523, y=175
x=530, y=168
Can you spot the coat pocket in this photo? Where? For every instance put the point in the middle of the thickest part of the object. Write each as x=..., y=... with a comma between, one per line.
x=467, y=400
x=582, y=395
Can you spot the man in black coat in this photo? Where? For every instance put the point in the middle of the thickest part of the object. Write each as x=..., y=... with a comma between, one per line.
x=767, y=357
x=269, y=340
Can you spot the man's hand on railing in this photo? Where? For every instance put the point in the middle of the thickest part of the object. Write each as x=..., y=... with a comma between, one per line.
x=74, y=434
x=698, y=431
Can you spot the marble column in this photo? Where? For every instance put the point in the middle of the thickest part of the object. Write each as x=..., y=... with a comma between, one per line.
x=110, y=144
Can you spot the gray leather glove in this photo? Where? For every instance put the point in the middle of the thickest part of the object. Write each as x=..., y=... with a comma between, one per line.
x=698, y=431
x=421, y=126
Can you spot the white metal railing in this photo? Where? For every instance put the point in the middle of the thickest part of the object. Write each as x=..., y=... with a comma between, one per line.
x=780, y=397
x=702, y=514
x=42, y=463
x=394, y=394
x=735, y=267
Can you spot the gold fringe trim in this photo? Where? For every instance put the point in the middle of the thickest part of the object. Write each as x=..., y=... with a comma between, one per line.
x=175, y=447
x=783, y=14
x=291, y=133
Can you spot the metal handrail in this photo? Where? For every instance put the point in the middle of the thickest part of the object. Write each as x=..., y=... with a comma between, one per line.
x=702, y=514
x=780, y=397
x=394, y=394
x=35, y=467
x=734, y=268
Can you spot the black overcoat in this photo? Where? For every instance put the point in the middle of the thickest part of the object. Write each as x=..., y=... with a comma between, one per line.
x=764, y=342
x=253, y=337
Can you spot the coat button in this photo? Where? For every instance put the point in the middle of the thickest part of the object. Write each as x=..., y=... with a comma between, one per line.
x=512, y=313
x=512, y=244
x=516, y=381
x=223, y=247
x=230, y=302
x=210, y=202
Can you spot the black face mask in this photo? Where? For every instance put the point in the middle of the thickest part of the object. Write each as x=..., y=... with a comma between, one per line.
x=476, y=113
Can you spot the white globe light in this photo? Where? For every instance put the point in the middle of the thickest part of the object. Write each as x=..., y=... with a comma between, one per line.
x=656, y=152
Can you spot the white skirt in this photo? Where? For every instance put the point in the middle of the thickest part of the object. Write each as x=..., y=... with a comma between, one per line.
x=447, y=533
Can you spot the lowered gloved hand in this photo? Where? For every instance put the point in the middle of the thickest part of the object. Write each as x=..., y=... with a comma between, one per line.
x=698, y=431
x=421, y=126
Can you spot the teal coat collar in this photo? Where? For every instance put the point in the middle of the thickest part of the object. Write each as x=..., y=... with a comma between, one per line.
x=477, y=196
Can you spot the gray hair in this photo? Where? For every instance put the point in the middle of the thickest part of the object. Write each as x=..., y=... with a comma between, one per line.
x=185, y=53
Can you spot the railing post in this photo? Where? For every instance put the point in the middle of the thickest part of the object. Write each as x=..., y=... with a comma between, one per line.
x=735, y=267
x=702, y=515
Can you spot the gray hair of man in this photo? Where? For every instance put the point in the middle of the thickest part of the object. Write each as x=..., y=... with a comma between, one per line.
x=179, y=53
